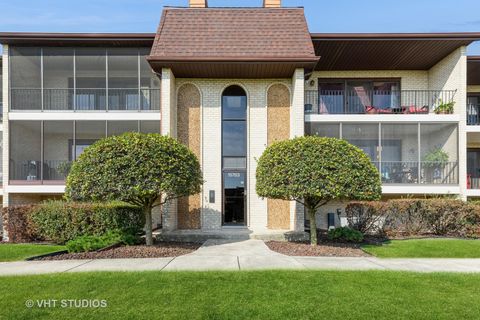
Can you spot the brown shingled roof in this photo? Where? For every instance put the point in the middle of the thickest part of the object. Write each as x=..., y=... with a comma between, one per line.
x=221, y=35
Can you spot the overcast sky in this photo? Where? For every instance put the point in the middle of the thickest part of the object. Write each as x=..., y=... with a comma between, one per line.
x=322, y=15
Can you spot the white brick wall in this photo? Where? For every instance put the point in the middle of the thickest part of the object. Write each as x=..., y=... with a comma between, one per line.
x=5, y=153
x=297, y=125
x=211, y=91
x=451, y=74
x=168, y=126
x=410, y=79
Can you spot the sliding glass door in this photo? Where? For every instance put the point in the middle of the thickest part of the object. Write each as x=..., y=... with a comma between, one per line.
x=358, y=96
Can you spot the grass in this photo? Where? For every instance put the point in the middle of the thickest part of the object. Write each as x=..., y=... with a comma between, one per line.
x=14, y=252
x=247, y=295
x=426, y=248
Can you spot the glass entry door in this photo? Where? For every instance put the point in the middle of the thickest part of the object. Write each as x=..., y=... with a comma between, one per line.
x=234, y=191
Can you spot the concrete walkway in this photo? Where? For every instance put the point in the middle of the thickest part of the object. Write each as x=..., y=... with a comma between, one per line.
x=240, y=255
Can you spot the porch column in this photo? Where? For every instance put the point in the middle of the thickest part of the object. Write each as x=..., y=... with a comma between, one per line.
x=297, y=129
x=5, y=152
x=168, y=126
x=462, y=126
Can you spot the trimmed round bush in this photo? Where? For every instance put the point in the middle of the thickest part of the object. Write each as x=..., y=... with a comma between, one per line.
x=146, y=170
x=314, y=171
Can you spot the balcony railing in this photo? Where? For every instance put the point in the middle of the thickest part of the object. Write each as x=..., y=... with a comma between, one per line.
x=85, y=99
x=408, y=172
x=473, y=114
x=375, y=101
x=31, y=170
x=473, y=182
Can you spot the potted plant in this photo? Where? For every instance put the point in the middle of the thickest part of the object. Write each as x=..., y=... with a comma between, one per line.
x=444, y=107
x=64, y=168
x=434, y=162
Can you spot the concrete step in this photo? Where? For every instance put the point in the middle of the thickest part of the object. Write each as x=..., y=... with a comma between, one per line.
x=200, y=236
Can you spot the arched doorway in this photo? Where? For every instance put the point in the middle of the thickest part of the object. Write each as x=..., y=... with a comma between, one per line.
x=234, y=155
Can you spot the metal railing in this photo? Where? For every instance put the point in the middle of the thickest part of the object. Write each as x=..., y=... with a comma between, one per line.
x=31, y=170
x=473, y=114
x=85, y=99
x=375, y=101
x=408, y=172
x=473, y=182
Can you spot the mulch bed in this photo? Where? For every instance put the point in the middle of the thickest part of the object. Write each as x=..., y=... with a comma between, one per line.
x=327, y=249
x=160, y=250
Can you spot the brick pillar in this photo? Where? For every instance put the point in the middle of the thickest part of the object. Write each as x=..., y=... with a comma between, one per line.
x=168, y=127
x=297, y=129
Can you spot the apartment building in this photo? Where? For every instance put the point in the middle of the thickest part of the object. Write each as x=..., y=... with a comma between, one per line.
x=228, y=82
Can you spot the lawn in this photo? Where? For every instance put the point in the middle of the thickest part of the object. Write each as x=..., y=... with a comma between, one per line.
x=426, y=248
x=14, y=252
x=246, y=295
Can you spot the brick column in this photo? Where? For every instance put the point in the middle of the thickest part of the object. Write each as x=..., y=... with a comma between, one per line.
x=168, y=127
x=5, y=146
x=297, y=129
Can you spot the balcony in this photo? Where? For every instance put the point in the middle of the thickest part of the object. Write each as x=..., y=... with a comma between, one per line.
x=375, y=101
x=473, y=114
x=85, y=99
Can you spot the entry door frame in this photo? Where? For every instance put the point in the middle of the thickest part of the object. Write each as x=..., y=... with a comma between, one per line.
x=245, y=194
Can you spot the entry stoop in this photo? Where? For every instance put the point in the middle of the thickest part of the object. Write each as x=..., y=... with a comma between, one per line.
x=235, y=234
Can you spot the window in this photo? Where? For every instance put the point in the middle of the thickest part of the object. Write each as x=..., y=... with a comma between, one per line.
x=234, y=129
x=358, y=96
x=234, y=154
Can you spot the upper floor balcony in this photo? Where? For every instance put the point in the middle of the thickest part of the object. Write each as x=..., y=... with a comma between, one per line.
x=82, y=79
x=85, y=99
x=370, y=101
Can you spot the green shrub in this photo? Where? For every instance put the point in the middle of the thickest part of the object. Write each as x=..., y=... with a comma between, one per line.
x=135, y=168
x=366, y=216
x=61, y=221
x=345, y=234
x=92, y=243
x=412, y=217
x=17, y=221
x=314, y=171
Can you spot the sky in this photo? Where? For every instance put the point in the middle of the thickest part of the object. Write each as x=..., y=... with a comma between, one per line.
x=322, y=15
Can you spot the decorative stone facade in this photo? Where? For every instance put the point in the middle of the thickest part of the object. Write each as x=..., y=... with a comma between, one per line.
x=278, y=126
x=188, y=133
x=210, y=92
